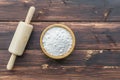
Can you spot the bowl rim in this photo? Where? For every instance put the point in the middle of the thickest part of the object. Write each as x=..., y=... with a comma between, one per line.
x=65, y=54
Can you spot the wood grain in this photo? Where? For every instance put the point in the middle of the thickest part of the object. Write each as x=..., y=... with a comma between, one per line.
x=96, y=24
x=34, y=65
x=81, y=64
x=61, y=10
x=89, y=35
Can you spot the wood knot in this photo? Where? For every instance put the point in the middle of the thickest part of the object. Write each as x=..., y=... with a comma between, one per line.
x=110, y=67
x=41, y=12
x=45, y=66
x=90, y=53
x=26, y=1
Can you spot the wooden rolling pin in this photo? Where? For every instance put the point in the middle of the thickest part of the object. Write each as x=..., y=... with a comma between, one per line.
x=20, y=38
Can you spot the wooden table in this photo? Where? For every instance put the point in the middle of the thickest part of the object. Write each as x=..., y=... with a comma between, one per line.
x=96, y=24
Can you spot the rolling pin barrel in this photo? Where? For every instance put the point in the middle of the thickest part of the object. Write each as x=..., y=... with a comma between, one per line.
x=20, y=38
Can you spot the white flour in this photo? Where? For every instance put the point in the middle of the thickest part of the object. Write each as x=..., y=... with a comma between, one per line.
x=57, y=41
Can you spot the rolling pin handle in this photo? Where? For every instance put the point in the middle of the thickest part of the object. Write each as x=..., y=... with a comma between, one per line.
x=30, y=14
x=11, y=62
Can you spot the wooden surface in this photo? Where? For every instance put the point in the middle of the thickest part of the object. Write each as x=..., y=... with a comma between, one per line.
x=96, y=24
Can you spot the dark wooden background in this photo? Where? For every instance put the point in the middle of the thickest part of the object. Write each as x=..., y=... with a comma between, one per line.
x=96, y=24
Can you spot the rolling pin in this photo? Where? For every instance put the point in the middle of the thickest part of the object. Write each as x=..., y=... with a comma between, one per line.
x=20, y=38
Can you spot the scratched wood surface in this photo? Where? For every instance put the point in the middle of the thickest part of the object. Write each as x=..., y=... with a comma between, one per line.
x=61, y=10
x=96, y=24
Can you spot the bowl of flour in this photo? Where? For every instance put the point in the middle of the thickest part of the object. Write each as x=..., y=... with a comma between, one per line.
x=57, y=41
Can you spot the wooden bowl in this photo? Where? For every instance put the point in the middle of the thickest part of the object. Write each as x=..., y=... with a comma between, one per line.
x=65, y=54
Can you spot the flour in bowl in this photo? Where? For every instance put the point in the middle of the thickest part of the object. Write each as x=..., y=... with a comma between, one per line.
x=57, y=41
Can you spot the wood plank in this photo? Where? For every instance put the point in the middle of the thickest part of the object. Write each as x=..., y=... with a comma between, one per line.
x=89, y=35
x=77, y=58
x=61, y=10
x=91, y=74
x=34, y=65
